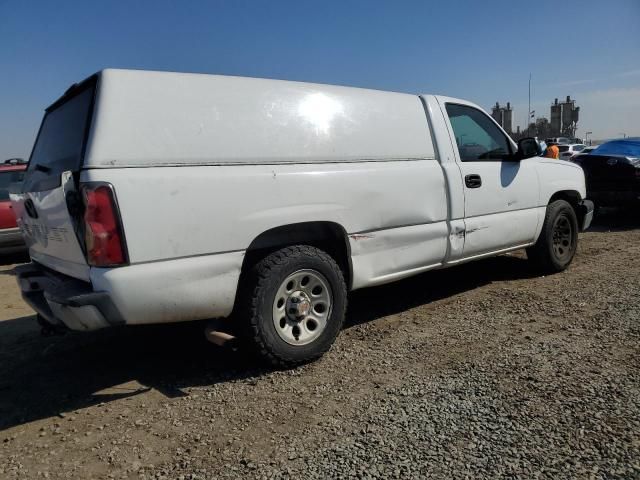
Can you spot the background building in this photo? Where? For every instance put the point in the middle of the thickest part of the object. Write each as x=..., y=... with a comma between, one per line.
x=562, y=122
x=564, y=118
x=504, y=116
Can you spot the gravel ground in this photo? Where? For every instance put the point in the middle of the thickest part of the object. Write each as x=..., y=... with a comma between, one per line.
x=480, y=371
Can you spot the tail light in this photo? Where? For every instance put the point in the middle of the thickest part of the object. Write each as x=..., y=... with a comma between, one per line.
x=104, y=239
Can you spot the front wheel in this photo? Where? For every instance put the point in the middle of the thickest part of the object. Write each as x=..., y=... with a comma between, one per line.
x=558, y=240
x=293, y=305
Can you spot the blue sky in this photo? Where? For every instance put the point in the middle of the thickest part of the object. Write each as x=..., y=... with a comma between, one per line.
x=479, y=50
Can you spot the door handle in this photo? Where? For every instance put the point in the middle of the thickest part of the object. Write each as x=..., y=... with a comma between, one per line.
x=473, y=181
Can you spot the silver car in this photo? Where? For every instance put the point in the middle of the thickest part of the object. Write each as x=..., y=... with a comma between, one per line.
x=568, y=151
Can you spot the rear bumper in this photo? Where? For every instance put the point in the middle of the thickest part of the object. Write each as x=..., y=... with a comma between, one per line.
x=62, y=300
x=194, y=288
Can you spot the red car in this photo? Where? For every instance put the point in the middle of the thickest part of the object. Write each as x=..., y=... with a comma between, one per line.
x=11, y=171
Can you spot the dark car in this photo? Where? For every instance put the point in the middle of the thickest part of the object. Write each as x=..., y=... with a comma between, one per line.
x=11, y=241
x=612, y=173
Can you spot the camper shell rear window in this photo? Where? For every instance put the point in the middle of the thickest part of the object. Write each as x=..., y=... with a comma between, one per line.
x=61, y=141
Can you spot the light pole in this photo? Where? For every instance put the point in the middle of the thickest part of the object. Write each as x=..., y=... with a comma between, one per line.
x=586, y=137
x=529, y=110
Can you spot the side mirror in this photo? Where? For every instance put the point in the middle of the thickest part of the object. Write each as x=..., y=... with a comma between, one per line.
x=528, y=147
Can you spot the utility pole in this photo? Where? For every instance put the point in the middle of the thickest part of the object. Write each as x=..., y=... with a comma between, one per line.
x=586, y=137
x=529, y=110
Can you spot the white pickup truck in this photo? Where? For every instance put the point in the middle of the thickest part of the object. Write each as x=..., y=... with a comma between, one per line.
x=162, y=197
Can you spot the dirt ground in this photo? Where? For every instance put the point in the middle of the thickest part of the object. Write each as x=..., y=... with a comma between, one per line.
x=481, y=371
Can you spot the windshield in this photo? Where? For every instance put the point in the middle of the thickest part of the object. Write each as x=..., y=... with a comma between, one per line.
x=628, y=148
x=563, y=148
x=60, y=141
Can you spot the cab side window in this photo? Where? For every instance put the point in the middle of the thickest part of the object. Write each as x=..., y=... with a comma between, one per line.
x=477, y=137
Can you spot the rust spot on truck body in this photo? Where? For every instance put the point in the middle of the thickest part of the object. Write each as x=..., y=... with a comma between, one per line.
x=361, y=236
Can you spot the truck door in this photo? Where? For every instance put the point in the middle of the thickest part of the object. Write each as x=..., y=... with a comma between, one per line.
x=501, y=195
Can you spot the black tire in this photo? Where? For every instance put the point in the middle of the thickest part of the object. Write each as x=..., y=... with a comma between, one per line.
x=257, y=302
x=558, y=240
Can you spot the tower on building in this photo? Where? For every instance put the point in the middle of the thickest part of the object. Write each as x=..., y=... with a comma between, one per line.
x=503, y=115
x=564, y=117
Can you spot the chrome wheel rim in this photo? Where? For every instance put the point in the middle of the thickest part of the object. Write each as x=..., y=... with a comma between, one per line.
x=562, y=238
x=302, y=306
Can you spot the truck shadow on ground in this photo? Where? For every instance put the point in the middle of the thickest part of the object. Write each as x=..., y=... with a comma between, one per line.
x=41, y=377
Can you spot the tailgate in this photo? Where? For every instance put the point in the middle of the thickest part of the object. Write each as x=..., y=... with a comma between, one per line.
x=49, y=231
x=47, y=206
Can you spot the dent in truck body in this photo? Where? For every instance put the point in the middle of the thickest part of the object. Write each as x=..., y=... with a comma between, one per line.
x=388, y=255
x=174, y=290
x=516, y=227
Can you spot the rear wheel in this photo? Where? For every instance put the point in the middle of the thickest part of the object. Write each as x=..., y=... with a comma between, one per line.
x=558, y=240
x=293, y=305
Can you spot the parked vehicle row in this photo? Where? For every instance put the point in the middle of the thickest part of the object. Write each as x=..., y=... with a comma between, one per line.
x=11, y=172
x=161, y=197
x=612, y=172
x=564, y=141
x=587, y=149
x=558, y=140
x=570, y=150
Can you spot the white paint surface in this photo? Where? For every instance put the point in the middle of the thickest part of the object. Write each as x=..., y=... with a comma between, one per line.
x=202, y=165
x=163, y=118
